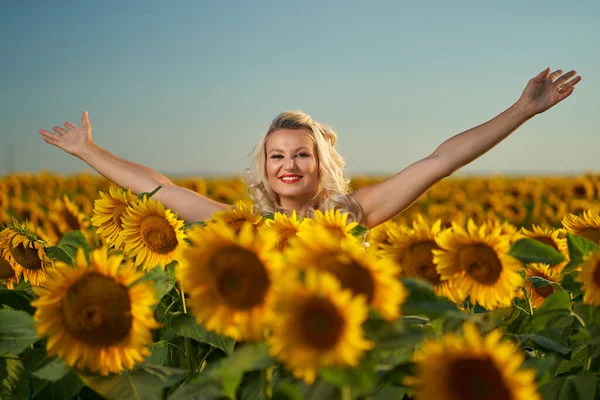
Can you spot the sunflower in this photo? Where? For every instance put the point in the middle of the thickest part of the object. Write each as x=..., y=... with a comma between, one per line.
x=549, y=237
x=278, y=231
x=151, y=233
x=539, y=294
x=242, y=212
x=586, y=225
x=581, y=188
x=579, y=206
x=378, y=235
x=590, y=278
x=554, y=210
x=475, y=260
x=333, y=220
x=66, y=217
x=9, y=274
x=25, y=251
x=229, y=279
x=317, y=324
x=362, y=272
x=96, y=316
x=412, y=250
x=108, y=214
x=471, y=367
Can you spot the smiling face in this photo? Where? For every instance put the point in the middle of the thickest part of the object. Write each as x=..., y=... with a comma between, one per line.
x=292, y=167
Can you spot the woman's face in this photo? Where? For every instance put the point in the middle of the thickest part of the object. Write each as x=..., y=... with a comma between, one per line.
x=292, y=166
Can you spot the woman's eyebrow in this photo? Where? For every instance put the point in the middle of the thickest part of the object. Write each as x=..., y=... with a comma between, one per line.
x=281, y=151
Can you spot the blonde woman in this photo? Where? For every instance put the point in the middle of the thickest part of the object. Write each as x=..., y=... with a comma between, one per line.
x=296, y=166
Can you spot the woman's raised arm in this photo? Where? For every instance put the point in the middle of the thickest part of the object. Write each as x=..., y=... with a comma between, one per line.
x=386, y=199
x=189, y=205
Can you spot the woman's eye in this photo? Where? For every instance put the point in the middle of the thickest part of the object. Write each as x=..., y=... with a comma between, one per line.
x=276, y=156
x=302, y=155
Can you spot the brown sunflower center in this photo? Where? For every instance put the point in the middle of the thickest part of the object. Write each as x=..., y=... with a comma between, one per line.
x=97, y=310
x=158, y=235
x=592, y=234
x=117, y=214
x=597, y=274
x=544, y=291
x=417, y=261
x=241, y=278
x=6, y=270
x=72, y=221
x=321, y=323
x=355, y=277
x=579, y=191
x=284, y=237
x=475, y=379
x=27, y=257
x=481, y=263
x=236, y=224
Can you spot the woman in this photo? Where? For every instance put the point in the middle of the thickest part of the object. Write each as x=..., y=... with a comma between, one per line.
x=296, y=165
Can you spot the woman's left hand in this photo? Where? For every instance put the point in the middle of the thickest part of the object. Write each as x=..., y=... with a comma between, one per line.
x=547, y=89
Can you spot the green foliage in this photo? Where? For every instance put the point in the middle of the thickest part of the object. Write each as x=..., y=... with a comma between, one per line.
x=67, y=247
x=16, y=331
x=532, y=251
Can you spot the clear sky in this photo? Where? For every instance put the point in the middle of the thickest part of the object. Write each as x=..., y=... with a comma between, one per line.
x=188, y=87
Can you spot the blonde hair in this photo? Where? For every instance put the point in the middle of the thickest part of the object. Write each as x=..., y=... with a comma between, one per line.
x=332, y=191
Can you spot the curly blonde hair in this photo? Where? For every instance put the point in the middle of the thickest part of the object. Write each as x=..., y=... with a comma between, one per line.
x=334, y=186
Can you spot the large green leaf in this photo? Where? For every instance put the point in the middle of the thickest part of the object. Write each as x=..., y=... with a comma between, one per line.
x=530, y=250
x=16, y=299
x=180, y=324
x=67, y=247
x=53, y=371
x=361, y=379
x=16, y=331
x=145, y=383
x=423, y=301
x=545, y=344
x=65, y=388
x=574, y=387
x=554, y=312
x=579, y=247
x=13, y=379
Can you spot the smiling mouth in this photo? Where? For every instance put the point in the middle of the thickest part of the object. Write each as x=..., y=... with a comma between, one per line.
x=290, y=179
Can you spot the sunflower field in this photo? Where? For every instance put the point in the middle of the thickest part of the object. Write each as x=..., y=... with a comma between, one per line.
x=485, y=288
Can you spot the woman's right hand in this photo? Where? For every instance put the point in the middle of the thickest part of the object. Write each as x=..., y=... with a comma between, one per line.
x=72, y=139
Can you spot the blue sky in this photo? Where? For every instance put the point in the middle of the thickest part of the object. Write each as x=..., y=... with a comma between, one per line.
x=188, y=87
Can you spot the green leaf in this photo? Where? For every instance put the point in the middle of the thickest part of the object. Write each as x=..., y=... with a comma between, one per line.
x=540, y=282
x=579, y=356
x=423, y=301
x=67, y=247
x=556, y=309
x=65, y=388
x=396, y=375
x=359, y=231
x=148, y=194
x=545, y=343
x=188, y=225
x=53, y=371
x=581, y=387
x=360, y=379
x=16, y=299
x=579, y=247
x=180, y=324
x=16, y=331
x=530, y=250
x=145, y=383
x=287, y=391
x=61, y=254
x=13, y=379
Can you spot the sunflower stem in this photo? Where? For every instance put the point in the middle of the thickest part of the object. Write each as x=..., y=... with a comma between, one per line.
x=268, y=376
x=346, y=393
x=182, y=293
x=528, y=299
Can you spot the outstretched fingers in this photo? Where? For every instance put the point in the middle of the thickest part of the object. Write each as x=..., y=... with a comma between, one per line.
x=51, y=138
x=554, y=76
x=59, y=130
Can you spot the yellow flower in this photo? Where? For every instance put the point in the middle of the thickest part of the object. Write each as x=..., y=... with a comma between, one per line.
x=317, y=324
x=586, y=225
x=378, y=235
x=242, y=212
x=25, y=252
x=95, y=316
x=9, y=275
x=108, y=214
x=66, y=216
x=412, y=250
x=590, y=278
x=151, y=233
x=361, y=272
x=333, y=220
x=278, y=231
x=549, y=237
x=471, y=367
x=539, y=294
x=229, y=279
x=477, y=263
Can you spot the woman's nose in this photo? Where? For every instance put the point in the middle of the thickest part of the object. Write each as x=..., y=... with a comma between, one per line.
x=290, y=163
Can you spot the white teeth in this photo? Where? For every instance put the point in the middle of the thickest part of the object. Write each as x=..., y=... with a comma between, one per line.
x=291, y=178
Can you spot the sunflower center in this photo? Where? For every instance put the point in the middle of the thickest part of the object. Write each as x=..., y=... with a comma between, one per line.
x=236, y=224
x=241, y=278
x=27, y=257
x=481, y=263
x=579, y=191
x=72, y=221
x=158, y=235
x=284, y=237
x=417, y=261
x=592, y=234
x=321, y=323
x=475, y=379
x=117, y=213
x=6, y=270
x=597, y=274
x=544, y=291
x=97, y=310
x=357, y=278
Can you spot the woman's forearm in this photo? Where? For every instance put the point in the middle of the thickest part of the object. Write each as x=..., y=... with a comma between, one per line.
x=467, y=146
x=125, y=174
